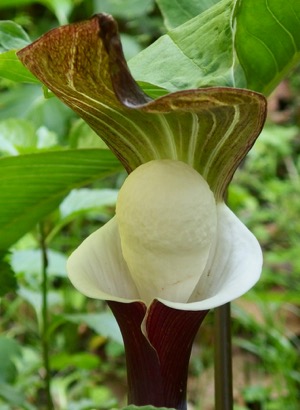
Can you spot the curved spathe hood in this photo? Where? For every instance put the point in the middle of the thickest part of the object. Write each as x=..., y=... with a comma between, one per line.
x=211, y=129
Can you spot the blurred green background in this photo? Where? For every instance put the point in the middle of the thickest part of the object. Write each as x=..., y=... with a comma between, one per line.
x=86, y=353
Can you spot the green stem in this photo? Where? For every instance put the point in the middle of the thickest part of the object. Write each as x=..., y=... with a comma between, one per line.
x=223, y=359
x=45, y=322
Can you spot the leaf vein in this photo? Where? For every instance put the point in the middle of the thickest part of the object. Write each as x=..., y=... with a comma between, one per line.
x=281, y=25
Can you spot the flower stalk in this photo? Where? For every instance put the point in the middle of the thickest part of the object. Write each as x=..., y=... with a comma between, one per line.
x=158, y=345
x=45, y=321
x=223, y=358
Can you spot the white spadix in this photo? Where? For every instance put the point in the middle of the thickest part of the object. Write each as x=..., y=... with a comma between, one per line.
x=167, y=221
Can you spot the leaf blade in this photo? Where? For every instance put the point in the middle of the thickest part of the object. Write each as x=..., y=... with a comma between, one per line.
x=12, y=35
x=12, y=69
x=201, y=47
x=266, y=60
x=8, y=282
x=175, y=13
x=33, y=185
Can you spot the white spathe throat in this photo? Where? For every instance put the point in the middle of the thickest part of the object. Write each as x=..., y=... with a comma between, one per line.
x=167, y=219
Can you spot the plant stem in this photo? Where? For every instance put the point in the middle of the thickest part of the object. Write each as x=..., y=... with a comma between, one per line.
x=223, y=359
x=45, y=323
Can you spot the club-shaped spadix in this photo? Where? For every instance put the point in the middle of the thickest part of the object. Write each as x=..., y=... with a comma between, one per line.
x=167, y=221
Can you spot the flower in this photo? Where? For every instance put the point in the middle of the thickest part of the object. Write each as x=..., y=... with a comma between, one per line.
x=174, y=250
x=170, y=240
x=210, y=130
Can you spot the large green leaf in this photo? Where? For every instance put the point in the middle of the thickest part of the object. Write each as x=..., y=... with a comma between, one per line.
x=267, y=42
x=33, y=185
x=211, y=129
x=238, y=43
x=196, y=54
x=177, y=12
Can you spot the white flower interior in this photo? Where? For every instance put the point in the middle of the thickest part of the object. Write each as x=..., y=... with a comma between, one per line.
x=167, y=220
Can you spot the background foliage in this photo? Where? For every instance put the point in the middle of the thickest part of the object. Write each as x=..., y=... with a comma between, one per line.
x=45, y=148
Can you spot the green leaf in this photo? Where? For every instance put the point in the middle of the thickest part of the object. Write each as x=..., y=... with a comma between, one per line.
x=20, y=136
x=228, y=44
x=8, y=281
x=196, y=54
x=12, y=36
x=29, y=262
x=61, y=8
x=175, y=12
x=267, y=42
x=9, y=351
x=33, y=185
x=17, y=136
x=63, y=361
x=13, y=396
x=103, y=324
x=12, y=69
x=126, y=9
x=84, y=66
x=83, y=200
x=131, y=46
x=35, y=299
x=82, y=136
x=19, y=101
x=152, y=90
x=80, y=201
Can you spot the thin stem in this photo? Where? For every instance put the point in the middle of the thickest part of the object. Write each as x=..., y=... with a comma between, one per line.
x=223, y=359
x=45, y=321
